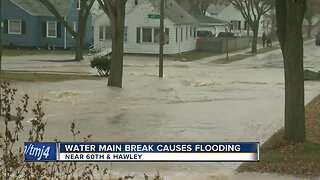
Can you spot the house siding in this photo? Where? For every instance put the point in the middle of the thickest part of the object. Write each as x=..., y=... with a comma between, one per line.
x=230, y=13
x=73, y=17
x=34, y=36
x=138, y=18
x=11, y=11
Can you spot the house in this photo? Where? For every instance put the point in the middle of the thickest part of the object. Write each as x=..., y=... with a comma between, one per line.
x=27, y=23
x=142, y=28
x=206, y=23
x=239, y=26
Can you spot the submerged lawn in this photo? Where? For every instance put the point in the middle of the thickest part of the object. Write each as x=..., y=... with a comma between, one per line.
x=279, y=156
x=42, y=77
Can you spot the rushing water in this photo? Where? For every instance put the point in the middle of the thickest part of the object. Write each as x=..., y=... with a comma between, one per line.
x=197, y=101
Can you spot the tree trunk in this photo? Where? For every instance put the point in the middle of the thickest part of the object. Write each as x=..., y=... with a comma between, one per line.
x=289, y=28
x=254, y=39
x=161, y=42
x=79, y=48
x=116, y=69
x=309, y=27
x=81, y=34
x=0, y=36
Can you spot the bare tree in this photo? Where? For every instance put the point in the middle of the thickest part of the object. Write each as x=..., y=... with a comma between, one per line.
x=197, y=7
x=290, y=15
x=204, y=4
x=312, y=10
x=80, y=33
x=161, y=42
x=252, y=11
x=115, y=10
x=0, y=36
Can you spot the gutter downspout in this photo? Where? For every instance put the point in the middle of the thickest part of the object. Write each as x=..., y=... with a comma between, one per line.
x=65, y=36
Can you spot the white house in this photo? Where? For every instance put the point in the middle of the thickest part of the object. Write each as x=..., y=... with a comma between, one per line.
x=238, y=24
x=206, y=23
x=142, y=28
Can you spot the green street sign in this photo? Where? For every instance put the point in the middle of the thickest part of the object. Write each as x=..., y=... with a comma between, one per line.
x=153, y=16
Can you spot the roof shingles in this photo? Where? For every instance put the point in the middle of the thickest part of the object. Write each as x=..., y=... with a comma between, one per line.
x=35, y=8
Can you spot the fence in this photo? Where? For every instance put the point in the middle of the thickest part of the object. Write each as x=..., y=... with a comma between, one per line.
x=221, y=44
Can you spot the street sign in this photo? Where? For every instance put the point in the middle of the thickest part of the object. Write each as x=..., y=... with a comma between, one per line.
x=166, y=38
x=153, y=16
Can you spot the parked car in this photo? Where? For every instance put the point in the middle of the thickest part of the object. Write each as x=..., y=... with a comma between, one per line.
x=226, y=34
x=201, y=34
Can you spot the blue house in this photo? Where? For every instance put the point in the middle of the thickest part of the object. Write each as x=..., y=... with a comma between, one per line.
x=27, y=23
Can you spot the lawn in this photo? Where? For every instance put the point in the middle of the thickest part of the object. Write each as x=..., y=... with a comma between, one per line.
x=193, y=55
x=22, y=52
x=279, y=156
x=231, y=59
x=42, y=77
x=267, y=49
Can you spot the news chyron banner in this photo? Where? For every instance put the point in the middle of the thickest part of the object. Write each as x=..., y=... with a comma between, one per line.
x=143, y=151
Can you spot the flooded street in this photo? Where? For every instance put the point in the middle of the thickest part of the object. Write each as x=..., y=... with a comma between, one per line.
x=195, y=101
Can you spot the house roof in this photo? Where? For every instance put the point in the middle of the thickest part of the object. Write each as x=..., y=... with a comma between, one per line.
x=209, y=20
x=35, y=7
x=175, y=12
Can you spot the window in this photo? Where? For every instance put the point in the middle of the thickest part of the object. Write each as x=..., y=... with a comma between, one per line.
x=157, y=35
x=236, y=25
x=125, y=34
x=101, y=30
x=51, y=29
x=146, y=34
x=186, y=32
x=136, y=2
x=176, y=34
x=78, y=4
x=74, y=24
x=151, y=35
x=190, y=31
x=166, y=34
x=194, y=31
x=108, y=33
x=14, y=27
x=138, y=35
x=181, y=34
x=105, y=33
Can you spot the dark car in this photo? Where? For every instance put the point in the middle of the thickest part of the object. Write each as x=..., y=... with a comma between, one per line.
x=201, y=34
x=226, y=34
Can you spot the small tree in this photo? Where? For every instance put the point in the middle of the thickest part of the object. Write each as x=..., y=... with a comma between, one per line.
x=252, y=11
x=115, y=10
x=80, y=33
x=290, y=15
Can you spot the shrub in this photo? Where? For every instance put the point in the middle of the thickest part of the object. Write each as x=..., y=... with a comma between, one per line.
x=12, y=164
x=101, y=64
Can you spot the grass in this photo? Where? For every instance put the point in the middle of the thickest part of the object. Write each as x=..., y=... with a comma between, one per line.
x=239, y=57
x=193, y=55
x=231, y=59
x=23, y=52
x=267, y=49
x=280, y=156
x=42, y=77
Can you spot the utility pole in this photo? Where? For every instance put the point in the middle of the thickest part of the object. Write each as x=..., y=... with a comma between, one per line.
x=161, y=41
